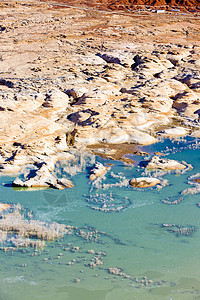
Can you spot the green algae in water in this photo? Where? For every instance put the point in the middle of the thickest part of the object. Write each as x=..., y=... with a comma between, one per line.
x=156, y=263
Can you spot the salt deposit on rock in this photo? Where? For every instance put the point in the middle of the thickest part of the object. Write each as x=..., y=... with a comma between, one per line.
x=43, y=178
x=144, y=182
x=56, y=99
x=163, y=164
x=97, y=170
x=66, y=92
x=174, y=132
x=9, y=168
x=18, y=231
x=4, y=206
x=77, y=92
x=139, y=137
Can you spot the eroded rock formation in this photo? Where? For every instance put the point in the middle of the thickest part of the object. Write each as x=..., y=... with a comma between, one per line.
x=59, y=89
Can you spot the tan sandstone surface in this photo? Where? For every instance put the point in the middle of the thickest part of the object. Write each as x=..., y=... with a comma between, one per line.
x=80, y=77
x=144, y=182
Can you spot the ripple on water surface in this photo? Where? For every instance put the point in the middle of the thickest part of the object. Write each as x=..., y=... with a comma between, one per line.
x=121, y=242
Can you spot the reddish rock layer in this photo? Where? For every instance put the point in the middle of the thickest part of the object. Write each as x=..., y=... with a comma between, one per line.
x=191, y=5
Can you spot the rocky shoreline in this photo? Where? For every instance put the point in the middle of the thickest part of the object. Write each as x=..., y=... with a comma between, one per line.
x=74, y=79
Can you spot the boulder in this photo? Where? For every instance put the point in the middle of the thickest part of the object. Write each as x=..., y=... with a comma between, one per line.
x=163, y=164
x=97, y=170
x=4, y=206
x=144, y=182
x=9, y=168
x=77, y=92
x=42, y=178
x=109, y=58
x=141, y=138
x=56, y=99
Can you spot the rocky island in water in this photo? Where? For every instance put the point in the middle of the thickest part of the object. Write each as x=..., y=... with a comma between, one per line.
x=99, y=149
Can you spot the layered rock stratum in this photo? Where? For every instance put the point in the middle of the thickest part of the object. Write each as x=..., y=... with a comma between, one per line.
x=170, y=5
x=81, y=77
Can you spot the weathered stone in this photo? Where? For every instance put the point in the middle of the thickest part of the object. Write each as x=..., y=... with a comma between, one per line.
x=163, y=164
x=144, y=182
x=4, y=206
x=64, y=94
x=97, y=170
x=42, y=178
x=174, y=132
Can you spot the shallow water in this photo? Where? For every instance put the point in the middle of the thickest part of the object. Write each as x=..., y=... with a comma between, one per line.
x=133, y=239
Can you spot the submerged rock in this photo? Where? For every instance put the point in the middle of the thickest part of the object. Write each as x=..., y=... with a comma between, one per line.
x=144, y=182
x=195, y=181
x=174, y=202
x=179, y=229
x=117, y=272
x=108, y=203
x=19, y=230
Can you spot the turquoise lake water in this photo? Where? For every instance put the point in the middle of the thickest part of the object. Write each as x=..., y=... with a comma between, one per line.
x=132, y=239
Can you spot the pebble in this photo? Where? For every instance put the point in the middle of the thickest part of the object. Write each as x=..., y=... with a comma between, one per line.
x=91, y=251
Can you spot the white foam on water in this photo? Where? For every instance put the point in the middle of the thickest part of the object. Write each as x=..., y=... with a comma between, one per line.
x=17, y=279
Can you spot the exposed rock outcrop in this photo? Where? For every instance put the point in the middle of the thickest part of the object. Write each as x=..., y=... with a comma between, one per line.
x=174, y=132
x=42, y=178
x=144, y=182
x=4, y=206
x=97, y=170
x=62, y=92
x=157, y=163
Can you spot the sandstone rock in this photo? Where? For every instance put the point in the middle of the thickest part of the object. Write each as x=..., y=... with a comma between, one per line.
x=113, y=135
x=42, y=178
x=156, y=94
x=65, y=156
x=56, y=99
x=195, y=134
x=176, y=57
x=77, y=92
x=9, y=168
x=4, y=206
x=92, y=59
x=109, y=58
x=174, y=132
x=60, y=143
x=97, y=170
x=83, y=117
x=144, y=182
x=163, y=164
x=187, y=102
x=197, y=180
x=150, y=64
x=62, y=90
x=141, y=138
x=188, y=78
